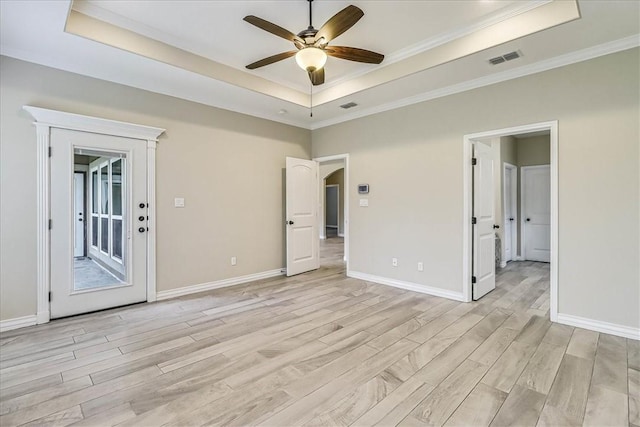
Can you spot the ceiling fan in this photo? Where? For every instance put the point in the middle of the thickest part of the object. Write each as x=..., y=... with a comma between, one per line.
x=313, y=45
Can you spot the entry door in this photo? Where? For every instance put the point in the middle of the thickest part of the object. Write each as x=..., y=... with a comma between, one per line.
x=79, y=214
x=509, y=213
x=536, y=208
x=118, y=224
x=301, y=221
x=484, y=267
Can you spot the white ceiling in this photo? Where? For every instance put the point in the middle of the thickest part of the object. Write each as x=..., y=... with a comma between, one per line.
x=431, y=48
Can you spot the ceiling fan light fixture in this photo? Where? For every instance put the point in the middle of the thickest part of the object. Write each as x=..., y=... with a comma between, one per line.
x=311, y=58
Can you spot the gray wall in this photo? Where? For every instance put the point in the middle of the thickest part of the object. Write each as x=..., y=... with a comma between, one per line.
x=412, y=158
x=227, y=166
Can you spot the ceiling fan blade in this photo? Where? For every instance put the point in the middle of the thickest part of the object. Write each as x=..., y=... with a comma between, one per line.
x=354, y=54
x=339, y=23
x=272, y=28
x=317, y=77
x=271, y=60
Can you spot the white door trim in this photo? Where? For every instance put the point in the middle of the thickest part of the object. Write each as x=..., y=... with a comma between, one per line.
x=344, y=157
x=552, y=127
x=45, y=120
x=514, y=204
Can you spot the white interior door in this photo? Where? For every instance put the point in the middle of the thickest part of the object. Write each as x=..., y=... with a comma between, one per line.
x=484, y=267
x=117, y=222
x=79, y=214
x=303, y=245
x=536, y=212
x=510, y=221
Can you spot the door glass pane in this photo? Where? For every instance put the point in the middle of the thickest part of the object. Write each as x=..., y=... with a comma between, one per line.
x=104, y=238
x=117, y=239
x=94, y=191
x=105, y=264
x=116, y=187
x=94, y=231
x=104, y=186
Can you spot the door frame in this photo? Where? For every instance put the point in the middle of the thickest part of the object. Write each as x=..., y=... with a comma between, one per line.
x=552, y=127
x=46, y=119
x=344, y=157
x=522, y=215
x=514, y=207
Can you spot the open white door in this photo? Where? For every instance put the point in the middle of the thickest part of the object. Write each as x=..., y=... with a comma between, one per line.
x=536, y=212
x=114, y=271
x=301, y=220
x=484, y=267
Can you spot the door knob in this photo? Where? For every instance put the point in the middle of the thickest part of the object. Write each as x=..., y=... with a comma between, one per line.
x=528, y=219
x=141, y=218
x=141, y=229
x=142, y=205
x=495, y=226
x=80, y=219
x=510, y=219
x=289, y=222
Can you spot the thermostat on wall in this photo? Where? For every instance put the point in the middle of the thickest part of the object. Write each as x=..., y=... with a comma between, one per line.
x=363, y=188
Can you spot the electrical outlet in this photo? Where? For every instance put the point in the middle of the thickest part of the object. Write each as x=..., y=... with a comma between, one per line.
x=234, y=260
x=420, y=266
x=394, y=262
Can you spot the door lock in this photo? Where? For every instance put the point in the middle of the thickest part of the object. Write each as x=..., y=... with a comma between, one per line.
x=141, y=229
x=495, y=226
x=289, y=222
x=141, y=218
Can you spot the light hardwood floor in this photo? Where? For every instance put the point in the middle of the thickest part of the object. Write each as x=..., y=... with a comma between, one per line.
x=322, y=349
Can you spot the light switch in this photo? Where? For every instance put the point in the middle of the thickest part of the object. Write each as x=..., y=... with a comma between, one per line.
x=364, y=202
x=178, y=202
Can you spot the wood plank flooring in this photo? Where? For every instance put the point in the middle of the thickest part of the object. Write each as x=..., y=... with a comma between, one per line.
x=321, y=349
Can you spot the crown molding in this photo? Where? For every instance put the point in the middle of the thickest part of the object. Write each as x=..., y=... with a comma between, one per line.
x=538, y=67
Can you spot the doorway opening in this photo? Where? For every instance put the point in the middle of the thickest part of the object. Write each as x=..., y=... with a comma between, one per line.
x=333, y=210
x=510, y=209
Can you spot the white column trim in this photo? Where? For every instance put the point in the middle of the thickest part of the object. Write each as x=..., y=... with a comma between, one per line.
x=46, y=119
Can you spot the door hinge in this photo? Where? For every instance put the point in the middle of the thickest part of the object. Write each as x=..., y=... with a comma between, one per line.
x=49, y=296
x=474, y=220
x=50, y=151
x=50, y=224
x=474, y=161
x=473, y=279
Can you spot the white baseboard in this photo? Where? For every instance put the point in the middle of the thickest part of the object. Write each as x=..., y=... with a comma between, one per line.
x=599, y=326
x=18, y=322
x=187, y=290
x=518, y=258
x=503, y=264
x=423, y=289
x=340, y=234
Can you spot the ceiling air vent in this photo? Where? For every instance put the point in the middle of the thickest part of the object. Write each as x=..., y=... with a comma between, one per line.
x=506, y=57
x=348, y=105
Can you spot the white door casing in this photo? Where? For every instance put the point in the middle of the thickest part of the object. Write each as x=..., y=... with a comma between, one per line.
x=45, y=121
x=301, y=222
x=536, y=213
x=65, y=299
x=484, y=268
x=79, y=214
x=510, y=189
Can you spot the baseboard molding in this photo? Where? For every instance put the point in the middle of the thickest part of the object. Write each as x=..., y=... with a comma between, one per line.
x=340, y=234
x=503, y=264
x=18, y=322
x=423, y=289
x=518, y=258
x=599, y=326
x=187, y=290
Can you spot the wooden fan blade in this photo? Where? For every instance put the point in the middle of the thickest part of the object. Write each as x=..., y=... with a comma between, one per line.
x=272, y=28
x=317, y=77
x=339, y=23
x=271, y=60
x=354, y=54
